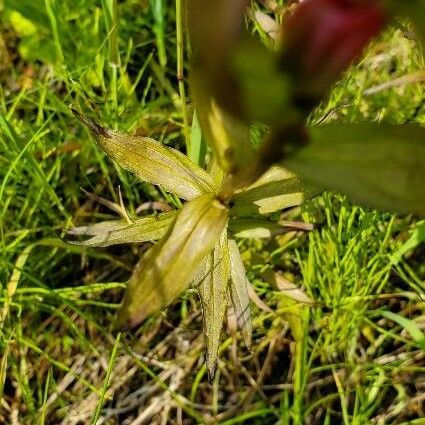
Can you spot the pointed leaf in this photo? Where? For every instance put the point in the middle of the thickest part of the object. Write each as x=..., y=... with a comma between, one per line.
x=416, y=238
x=213, y=280
x=198, y=148
x=151, y=161
x=116, y=232
x=381, y=166
x=277, y=189
x=239, y=293
x=409, y=325
x=169, y=266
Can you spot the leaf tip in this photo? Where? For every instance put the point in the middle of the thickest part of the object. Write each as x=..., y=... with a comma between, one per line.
x=211, y=368
x=93, y=127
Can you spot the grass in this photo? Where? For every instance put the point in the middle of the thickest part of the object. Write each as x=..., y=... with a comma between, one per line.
x=355, y=357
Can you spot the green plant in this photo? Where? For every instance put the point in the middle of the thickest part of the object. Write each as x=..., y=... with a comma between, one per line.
x=196, y=243
x=235, y=82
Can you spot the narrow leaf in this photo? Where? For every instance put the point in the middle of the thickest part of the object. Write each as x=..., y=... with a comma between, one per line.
x=416, y=238
x=277, y=189
x=239, y=293
x=213, y=280
x=169, y=266
x=382, y=166
x=291, y=290
x=253, y=228
x=119, y=231
x=409, y=325
x=198, y=148
x=151, y=161
x=257, y=300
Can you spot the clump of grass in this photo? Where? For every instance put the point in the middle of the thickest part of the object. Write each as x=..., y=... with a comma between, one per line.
x=347, y=266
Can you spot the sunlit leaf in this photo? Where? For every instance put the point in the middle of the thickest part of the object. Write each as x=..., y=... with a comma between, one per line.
x=119, y=231
x=275, y=190
x=198, y=148
x=151, y=161
x=267, y=24
x=257, y=300
x=382, y=166
x=239, y=292
x=213, y=287
x=296, y=314
x=170, y=265
x=409, y=325
x=253, y=228
x=416, y=238
x=216, y=172
x=291, y=290
x=228, y=137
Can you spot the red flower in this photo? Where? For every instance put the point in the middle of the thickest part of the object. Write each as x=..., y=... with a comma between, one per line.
x=323, y=37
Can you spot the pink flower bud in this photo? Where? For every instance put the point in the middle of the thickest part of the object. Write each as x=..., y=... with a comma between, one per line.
x=323, y=37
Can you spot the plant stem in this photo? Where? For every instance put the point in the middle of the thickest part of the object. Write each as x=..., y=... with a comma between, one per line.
x=180, y=71
x=301, y=370
x=111, y=16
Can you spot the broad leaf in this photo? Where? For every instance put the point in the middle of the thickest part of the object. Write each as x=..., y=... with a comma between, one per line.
x=212, y=284
x=239, y=293
x=265, y=90
x=119, y=231
x=275, y=190
x=381, y=166
x=170, y=265
x=151, y=161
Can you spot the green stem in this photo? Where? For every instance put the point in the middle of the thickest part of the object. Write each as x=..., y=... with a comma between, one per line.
x=110, y=10
x=180, y=71
x=301, y=371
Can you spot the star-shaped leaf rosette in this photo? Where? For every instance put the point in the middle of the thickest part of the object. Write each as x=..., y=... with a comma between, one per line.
x=236, y=81
x=195, y=244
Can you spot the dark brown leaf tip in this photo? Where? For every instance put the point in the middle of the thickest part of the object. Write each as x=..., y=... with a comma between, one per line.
x=211, y=373
x=94, y=128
